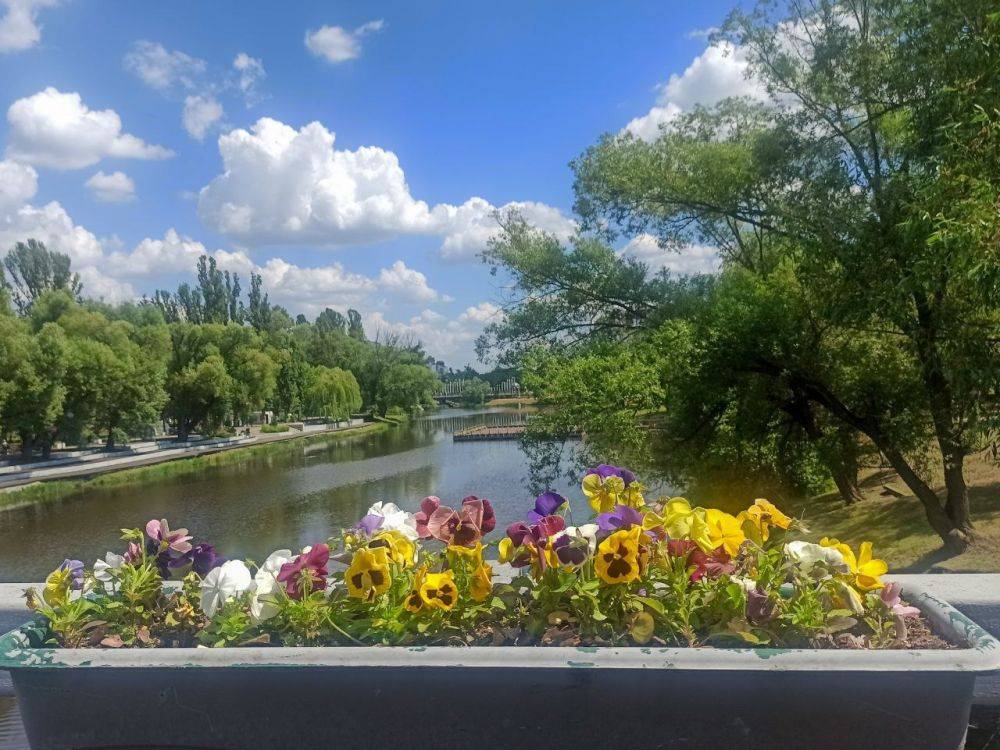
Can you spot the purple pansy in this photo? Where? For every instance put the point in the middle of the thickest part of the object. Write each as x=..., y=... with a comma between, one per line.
x=606, y=470
x=546, y=504
x=75, y=568
x=370, y=524
x=622, y=517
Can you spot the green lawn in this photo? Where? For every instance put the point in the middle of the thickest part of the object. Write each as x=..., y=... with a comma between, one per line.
x=898, y=528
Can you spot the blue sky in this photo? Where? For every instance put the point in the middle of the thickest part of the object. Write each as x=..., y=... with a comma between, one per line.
x=351, y=153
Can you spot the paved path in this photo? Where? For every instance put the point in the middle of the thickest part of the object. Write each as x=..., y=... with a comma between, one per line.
x=91, y=463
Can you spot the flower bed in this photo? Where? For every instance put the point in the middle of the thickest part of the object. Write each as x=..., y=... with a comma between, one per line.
x=639, y=572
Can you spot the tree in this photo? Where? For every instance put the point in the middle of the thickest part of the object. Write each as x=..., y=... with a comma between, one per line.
x=354, y=327
x=332, y=393
x=331, y=320
x=863, y=174
x=475, y=392
x=33, y=269
x=258, y=306
x=406, y=386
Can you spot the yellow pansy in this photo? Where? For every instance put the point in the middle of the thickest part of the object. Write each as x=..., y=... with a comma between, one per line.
x=603, y=494
x=439, y=590
x=401, y=550
x=470, y=555
x=57, y=584
x=758, y=519
x=867, y=570
x=681, y=521
x=481, y=585
x=632, y=496
x=413, y=602
x=368, y=575
x=724, y=530
x=617, y=559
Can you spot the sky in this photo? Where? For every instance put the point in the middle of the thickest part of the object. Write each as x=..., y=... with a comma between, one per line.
x=353, y=154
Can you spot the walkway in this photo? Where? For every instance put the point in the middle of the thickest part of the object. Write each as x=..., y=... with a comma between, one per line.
x=80, y=464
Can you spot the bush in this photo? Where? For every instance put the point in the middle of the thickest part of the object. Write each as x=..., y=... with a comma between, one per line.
x=272, y=428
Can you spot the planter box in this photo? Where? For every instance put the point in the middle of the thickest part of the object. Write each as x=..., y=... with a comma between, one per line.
x=445, y=697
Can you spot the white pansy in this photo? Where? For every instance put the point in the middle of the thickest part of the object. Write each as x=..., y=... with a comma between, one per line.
x=395, y=519
x=587, y=532
x=103, y=568
x=266, y=587
x=223, y=583
x=747, y=584
x=807, y=556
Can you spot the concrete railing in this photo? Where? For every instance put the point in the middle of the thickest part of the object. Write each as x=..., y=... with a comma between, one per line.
x=976, y=595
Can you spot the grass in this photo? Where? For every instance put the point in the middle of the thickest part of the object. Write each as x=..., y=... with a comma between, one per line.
x=898, y=528
x=42, y=492
x=269, y=429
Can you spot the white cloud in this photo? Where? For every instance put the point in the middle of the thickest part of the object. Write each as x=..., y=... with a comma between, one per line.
x=171, y=255
x=116, y=187
x=690, y=259
x=444, y=338
x=407, y=283
x=98, y=285
x=282, y=185
x=250, y=72
x=53, y=226
x=200, y=114
x=19, y=25
x=336, y=44
x=716, y=74
x=163, y=69
x=18, y=184
x=53, y=129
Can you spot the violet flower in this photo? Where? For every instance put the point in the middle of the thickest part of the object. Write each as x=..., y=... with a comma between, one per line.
x=370, y=524
x=306, y=573
x=606, y=470
x=622, y=517
x=75, y=569
x=174, y=540
x=546, y=504
x=761, y=608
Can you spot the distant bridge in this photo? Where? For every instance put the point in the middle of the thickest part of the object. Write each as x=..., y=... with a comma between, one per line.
x=454, y=390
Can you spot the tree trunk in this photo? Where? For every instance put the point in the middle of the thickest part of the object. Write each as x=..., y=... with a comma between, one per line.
x=954, y=537
x=957, y=502
x=27, y=446
x=847, y=483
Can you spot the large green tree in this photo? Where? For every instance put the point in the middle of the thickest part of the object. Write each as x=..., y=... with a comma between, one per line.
x=32, y=269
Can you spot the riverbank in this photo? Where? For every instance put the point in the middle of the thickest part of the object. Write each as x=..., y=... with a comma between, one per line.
x=179, y=466
x=897, y=527
x=513, y=401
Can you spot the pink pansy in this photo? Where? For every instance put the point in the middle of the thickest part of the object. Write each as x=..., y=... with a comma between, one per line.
x=306, y=573
x=177, y=540
x=462, y=527
x=427, y=507
x=890, y=597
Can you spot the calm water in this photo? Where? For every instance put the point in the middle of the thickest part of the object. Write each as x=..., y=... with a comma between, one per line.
x=290, y=496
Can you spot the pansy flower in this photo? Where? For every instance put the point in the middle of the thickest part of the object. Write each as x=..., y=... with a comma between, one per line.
x=546, y=504
x=395, y=519
x=402, y=551
x=103, y=570
x=266, y=587
x=465, y=526
x=413, y=602
x=757, y=520
x=176, y=541
x=439, y=590
x=427, y=507
x=603, y=493
x=617, y=559
x=67, y=577
x=576, y=544
x=890, y=596
x=725, y=530
x=867, y=570
x=368, y=575
x=701, y=563
x=306, y=573
x=621, y=517
x=221, y=584
x=680, y=521
x=481, y=584
x=814, y=559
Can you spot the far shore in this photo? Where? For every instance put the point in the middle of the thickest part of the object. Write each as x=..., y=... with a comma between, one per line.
x=153, y=467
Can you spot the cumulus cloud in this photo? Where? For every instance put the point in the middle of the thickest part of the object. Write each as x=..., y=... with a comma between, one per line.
x=19, y=28
x=53, y=226
x=200, y=114
x=446, y=338
x=407, y=283
x=56, y=129
x=716, y=74
x=336, y=44
x=163, y=69
x=691, y=259
x=282, y=185
x=116, y=187
x=18, y=184
x=466, y=228
x=250, y=72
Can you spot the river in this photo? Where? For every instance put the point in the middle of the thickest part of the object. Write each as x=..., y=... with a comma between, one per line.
x=294, y=494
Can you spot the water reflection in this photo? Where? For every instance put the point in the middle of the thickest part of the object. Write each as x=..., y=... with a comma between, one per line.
x=289, y=496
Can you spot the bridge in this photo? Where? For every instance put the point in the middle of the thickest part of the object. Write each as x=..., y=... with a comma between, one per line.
x=454, y=390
